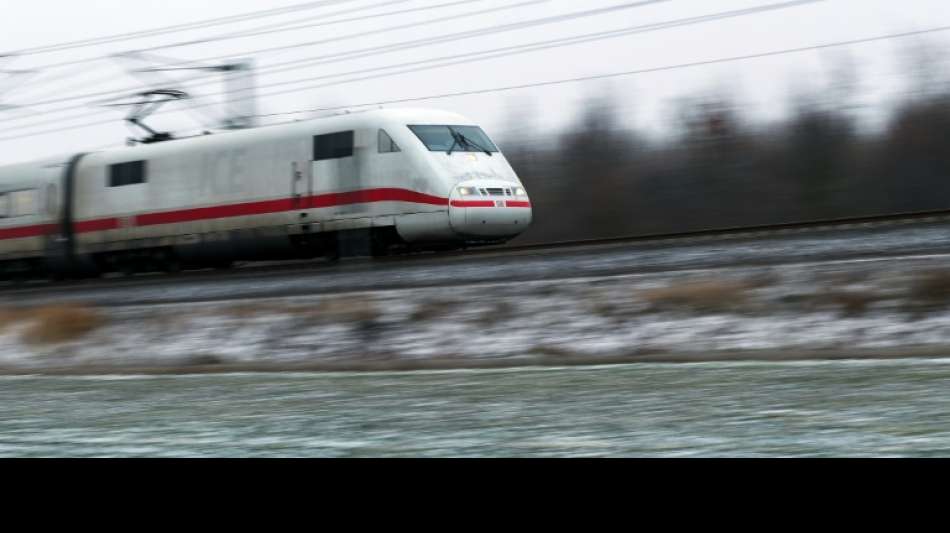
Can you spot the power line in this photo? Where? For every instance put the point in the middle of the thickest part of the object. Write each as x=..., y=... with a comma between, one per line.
x=355, y=54
x=343, y=56
x=491, y=54
x=271, y=28
x=388, y=29
x=678, y=66
x=495, y=53
x=285, y=26
x=52, y=66
x=509, y=88
x=364, y=52
x=340, y=38
x=567, y=41
x=217, y=21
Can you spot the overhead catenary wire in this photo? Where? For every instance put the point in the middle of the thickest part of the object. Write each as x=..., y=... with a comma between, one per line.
x=678, y=66
x=87, y=60
x=260, y=30
x=399, y=27
x=502, y=52
x=281, y=67
x=128, y=36
x=296, y=25
x=509, y=88
x=440, y=39
x=506, y=51
x=416, y=43
x=110, y=92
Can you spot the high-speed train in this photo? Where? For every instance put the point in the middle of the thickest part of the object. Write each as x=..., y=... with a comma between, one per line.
x=376, y=182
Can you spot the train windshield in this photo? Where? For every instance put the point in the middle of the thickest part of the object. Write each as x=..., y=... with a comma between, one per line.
x=454, y=138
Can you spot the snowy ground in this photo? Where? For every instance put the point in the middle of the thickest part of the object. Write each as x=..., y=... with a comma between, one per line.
x=836, y=307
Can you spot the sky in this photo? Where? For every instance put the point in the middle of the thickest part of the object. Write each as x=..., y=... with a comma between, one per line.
x=762, y=86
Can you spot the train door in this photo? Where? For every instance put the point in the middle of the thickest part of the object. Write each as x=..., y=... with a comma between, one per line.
x=334, y=170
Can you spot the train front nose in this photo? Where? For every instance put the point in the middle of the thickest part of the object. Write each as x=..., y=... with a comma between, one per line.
x=489, y=210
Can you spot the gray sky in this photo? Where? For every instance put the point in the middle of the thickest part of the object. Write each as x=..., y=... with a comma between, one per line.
x=761, y=84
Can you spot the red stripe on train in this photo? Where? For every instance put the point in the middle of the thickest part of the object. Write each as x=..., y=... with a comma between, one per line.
x=376, y=195
x=473, y=203
x=219, y=211
x=279, y=206
x=25, y=232
x=103, y=224
x=488, y=203
x=236, y=210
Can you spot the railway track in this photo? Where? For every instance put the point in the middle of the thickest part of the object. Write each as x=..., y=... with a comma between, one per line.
x=763, y=231
x=265, y=280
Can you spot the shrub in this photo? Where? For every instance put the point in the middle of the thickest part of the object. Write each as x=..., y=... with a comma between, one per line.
x=62, y=323
x=931, y=289
x=699, y=296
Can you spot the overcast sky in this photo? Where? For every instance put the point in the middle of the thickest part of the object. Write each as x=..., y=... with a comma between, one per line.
x=763, y=85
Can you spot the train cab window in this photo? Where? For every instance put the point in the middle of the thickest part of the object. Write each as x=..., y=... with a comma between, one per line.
x=333, y=146
x=454, y=138
x=386, y=143
x=4, y=206
x=131, y=173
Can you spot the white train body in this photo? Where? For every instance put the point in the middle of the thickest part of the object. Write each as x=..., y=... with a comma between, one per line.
x=386, y=179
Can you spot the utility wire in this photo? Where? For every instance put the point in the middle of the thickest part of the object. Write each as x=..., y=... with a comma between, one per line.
x=285, y=26
x=665, y=68
x=52, y=66
x=364, y=34
x=330, y=58
x=439, y=39
x=350, y=36
x=271, y=28
x=483, y=55
x=549, y=44
x=678, y=66
x=486, y=54
x=217, y=21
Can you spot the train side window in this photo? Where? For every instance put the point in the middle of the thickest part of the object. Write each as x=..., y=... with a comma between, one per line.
x=18, y=203
x=131, y=173
x=23, y=203
x=386, y=143
x=333, y=146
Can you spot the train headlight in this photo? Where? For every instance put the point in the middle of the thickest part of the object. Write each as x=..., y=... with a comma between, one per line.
x=519, y=191
x=468, y=191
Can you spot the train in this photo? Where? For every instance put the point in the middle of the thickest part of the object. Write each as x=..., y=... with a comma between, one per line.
x=379, y=182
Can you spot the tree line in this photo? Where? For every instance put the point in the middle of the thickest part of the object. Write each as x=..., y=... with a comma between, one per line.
x=721, y=168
